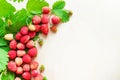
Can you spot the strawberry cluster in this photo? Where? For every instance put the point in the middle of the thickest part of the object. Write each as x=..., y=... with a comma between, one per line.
x=23, y=48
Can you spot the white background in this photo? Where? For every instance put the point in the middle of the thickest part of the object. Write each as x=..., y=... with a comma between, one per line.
x=88, y=46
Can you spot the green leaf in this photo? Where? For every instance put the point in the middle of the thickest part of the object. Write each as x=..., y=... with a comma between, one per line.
x=64, y=15
x=18, y=0
x=3, y=59
x=3, y=42
x=6, y=8
x=35, y=6
x=44, y=78
x=58, y=5
x=6, y=48
x=8, y=75
x=18, y=20
x=2, y=28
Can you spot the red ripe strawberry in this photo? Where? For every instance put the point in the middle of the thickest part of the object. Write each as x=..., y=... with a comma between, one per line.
x=26, y=59
x=13, y=44
x=21, y=53
x=25, y=39
x=34, y=73
x=20, y=46
x=34, y=65
x=55, y=20
x=36, y=20
x=30, y=44
x=19, y=70
x=26, y=67
x=26, y=75
x=24, y=30
x=12, y=66
x=17, y=78
x=32, y=52
x=45, y=10
x=18, y=36
x=45, y=19
x=18, y=61
x=37, y=28
x=44, y=28
x=39, y=77
x=12, y=54
x=32, y=34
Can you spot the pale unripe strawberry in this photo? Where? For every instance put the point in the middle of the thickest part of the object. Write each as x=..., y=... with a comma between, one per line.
x=45, y=10
x=18, y=61
x=32, y=34
x=31, y=27
x=20, y=46
x=8, y=37
x=39, y=77
x=19, y=70
x=44, y=28
x=37, y=28
x=32, y=52
x=34, y=73
x=21, y=53
x=36, y=20
x=18, y=36
x=12, y=54
x=55, y=20
x=25, y=39
x=12, y=66
x=26, y=75
x=34, y=65
x=26, y=59
x=26, y=67
x=17, y=78
x=45, y=19
x=24, y=30
x=13, y=44
x=30, y=44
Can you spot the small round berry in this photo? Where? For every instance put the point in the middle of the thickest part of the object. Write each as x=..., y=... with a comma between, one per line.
x=31, y=27
x=25, y=39
x=13, y=44
x=45, y=10
x=24, y=30
x=26, y=75
x=32, y=34
x=26, y=67
x=32, y=52
x=55, y=20
x=18, y=61
x=12, y=54
x=19, y=70
x=36, y=20
x=26, y=59
x=12, y=66
x=18, y=36
x=20, y=46
x=34, y=73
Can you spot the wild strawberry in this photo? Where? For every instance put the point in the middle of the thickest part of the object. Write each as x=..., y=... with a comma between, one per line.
x=30, y=44
x=26, y=67
x=19, y=70
x=21, y=53
x=53, y=29
x=32, y=52
x=34, y=65
x=26, y=75
x=34, y=73
x=45, y=10
x=32, y=34
x=55, y=20
x=26, y=59
x=20, y=46
x=44, y=28
x=39, y=77
x=17, y=78
x=18, y=36
x=8, y=37
x=36, y=20
x=24, y=30
x=37, y=28
x=13, y=44
x=18, y=61
x=25, y=39
x=45, y=19
x=12, y=54
x=12, y=66
x=31, y=27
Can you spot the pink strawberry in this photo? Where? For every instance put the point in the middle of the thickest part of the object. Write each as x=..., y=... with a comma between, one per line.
x=45, y=19
x=44, y=28
x=20, y=46
x=34, y=73
x=26, y=59
x=37, y=28
x=36, y=20
x=12, y=54
x=39, y=77
x=26, y=67
x=18, y=61
x=13, y=44
x=34, y=65
x=45, y=10
x=18, y=36
x=24, y=30
x=19, y=70
x=17, y=78
x=32, y=52
x=21, y=53
x=12, y=66
x=30, y=44
x=55, y=20
x=32, y=34
x=25, y=39
x=26, y=75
